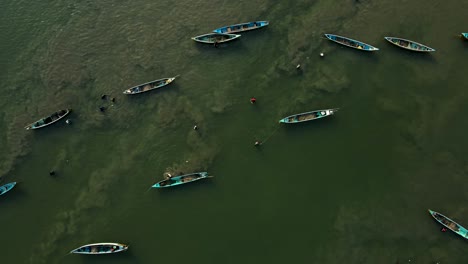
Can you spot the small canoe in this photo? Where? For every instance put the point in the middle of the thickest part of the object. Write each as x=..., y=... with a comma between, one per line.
x=49, y=120
x=465, y=35
x=5, y=188
x=350, y=42
x=308, y=116
x=181, y=179
x=409, y=44
x=212, y=38
x=242, y=27
x=145, y=87
x=449, y=223
x=100, y=248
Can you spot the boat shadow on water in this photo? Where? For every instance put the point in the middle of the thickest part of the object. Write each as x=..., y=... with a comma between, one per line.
x=14, y=196
x=326, y=124
x=372, y=56
x=414, y=55
x=234, y=46
x=126, y=256
x=148, y=96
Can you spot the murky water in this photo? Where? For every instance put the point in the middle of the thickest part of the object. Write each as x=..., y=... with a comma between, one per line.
x=354, y=188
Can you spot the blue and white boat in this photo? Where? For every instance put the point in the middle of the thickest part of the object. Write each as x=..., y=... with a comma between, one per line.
x=465, y=35
x=351, y=42
x=7, y=187
x=181, y=179
x=449, y=223
x=308, y=116
x=242, y=27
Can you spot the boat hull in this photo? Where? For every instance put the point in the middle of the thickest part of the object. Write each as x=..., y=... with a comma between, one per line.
x=242, y=27
x=149, y=86
x=308, y=116
x=449, y=223
x=100, y=248
x=212, y=38
x=49, y=120
x=409, y=44
x=7, y=187
x=181, y=179
x=352, y=43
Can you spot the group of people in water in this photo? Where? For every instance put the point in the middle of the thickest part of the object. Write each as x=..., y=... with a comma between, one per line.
x=104, y=97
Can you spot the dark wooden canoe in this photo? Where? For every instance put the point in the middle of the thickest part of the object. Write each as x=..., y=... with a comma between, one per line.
x=242, y=27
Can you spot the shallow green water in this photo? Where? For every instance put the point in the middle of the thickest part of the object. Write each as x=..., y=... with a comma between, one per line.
x=354, y=188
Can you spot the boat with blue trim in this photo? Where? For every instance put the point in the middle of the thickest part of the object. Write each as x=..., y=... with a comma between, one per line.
x=465, y=35
x=352, y=43
x=7, y=187
x=181, y=179
x=242, y=27
x=308, y=116
x=449, y=223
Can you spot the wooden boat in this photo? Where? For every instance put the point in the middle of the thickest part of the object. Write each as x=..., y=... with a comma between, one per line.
x=351, y=42
x=212, y=38
x=465, y=35
x=409, y=44
x=308, y=116
x=242, y=27
x=181, y=179
x=100, y=248
x=49, y=120
x=449, y=223
x=145, y=87
x=7, y=187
